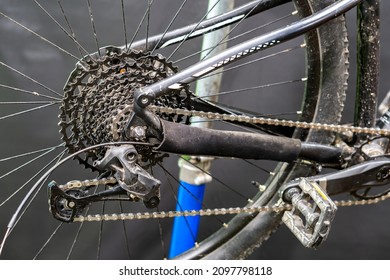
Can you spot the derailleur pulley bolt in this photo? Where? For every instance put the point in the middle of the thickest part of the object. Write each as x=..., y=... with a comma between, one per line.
x=71, y=204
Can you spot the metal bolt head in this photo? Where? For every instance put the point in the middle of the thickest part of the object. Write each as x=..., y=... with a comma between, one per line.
x=138, y=132
x=144, y=100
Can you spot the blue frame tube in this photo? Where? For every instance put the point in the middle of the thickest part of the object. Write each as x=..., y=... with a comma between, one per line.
x=193, y=183
x=185, y=229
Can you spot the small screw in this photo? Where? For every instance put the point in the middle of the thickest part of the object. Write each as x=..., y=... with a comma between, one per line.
x=144, y=100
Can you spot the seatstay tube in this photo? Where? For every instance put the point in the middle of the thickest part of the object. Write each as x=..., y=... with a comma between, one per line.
x=145, y=96
x=208, y=25
x=368, y=63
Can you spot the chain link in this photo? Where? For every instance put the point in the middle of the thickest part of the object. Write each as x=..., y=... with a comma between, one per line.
x=74, y=99
x=203, y=212
x=270, y=121
x=234, y=210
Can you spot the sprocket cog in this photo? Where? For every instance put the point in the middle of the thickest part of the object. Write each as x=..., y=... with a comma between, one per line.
x=99, y=96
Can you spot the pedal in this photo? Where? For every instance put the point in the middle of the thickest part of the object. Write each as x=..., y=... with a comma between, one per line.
x=312, y=213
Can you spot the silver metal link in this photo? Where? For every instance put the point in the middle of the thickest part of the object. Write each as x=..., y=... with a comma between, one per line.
x=202, y=212
x=270, y=121
x=225, y=211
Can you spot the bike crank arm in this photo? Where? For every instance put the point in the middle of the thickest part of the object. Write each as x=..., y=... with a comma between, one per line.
x=374, y=172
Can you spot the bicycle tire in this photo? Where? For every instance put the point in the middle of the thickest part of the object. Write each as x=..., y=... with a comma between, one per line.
x=332, y=49
x=333, y=67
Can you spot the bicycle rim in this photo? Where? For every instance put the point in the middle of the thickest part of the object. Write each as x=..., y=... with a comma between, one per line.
x=32, y=72
x=244, y=240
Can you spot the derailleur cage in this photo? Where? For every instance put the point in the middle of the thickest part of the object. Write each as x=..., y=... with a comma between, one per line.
x=65, y=205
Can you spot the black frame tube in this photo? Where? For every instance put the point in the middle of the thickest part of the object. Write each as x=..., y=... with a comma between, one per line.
x=207, y=25
x=173, y=142
x=368, y=63
x=189, y=140
x=146, y=95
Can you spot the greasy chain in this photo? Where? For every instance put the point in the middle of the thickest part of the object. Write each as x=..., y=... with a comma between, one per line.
x=202, y=212
x=270, y=121
x=233, y=210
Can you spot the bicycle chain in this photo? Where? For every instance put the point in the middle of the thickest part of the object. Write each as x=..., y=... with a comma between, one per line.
x=115, y=87
x=270, y=121
x=281, y=206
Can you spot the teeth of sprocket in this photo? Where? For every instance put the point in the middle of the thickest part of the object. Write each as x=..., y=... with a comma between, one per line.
x=98, y=101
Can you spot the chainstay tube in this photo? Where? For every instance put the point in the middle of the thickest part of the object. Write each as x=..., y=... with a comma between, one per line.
x=270, y=121
x=189, y=140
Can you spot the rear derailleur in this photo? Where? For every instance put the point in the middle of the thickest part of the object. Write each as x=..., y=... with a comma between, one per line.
x=127, y=181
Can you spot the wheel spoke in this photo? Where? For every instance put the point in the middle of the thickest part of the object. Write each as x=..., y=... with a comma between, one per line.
x=232, y=189
x=28, y=78
x=150, y=2
x=228, y=38
x=55, y=231
x=192, y=31
x=161, y=232
x=72, y=247
x=149, y=9
x=188, y=191
x=70, y=35
x=124, y=22
x=254, y=88
x=169, y=25
x=27, y=102
x=93, y=27
x=227, y=35
x=27, y=111
x=33, y=93
x=100, y=234
x=177, y=200
x=39, y=36
x=30, y=161
x=127, y=243
x=27, y=206
x=31, y=153
x=57, y=158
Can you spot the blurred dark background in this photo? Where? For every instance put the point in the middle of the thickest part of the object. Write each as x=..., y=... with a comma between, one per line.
x=357, y=232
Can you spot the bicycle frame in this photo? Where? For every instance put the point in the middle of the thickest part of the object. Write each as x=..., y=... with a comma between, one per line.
x=174, y=137
x=229, y=144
